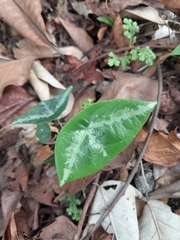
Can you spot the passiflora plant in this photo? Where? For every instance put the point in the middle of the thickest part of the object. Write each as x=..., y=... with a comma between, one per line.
x=93, y=137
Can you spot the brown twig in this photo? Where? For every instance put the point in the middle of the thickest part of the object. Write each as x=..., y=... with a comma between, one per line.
x=131, y=176
x=86, y=206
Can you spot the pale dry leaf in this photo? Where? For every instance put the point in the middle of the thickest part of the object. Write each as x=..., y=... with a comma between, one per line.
x=12, y=15
x=167, y=222
x=43, y=74
x=73, y=51
x=79, y=35
x=40, y=87
x=131, y=86
x=122, y=220
x=14, y=72
x=148, y=13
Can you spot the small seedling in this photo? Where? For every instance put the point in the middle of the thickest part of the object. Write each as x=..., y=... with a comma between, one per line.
x=87, y=103
x=131, y=28
x=72, y=210
x=144, y=54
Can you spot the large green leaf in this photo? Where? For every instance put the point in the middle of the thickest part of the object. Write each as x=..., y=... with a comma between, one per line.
x=96, y=135
x=46, y=111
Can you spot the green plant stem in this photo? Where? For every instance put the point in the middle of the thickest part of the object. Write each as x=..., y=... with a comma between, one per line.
x=60, y=124
x=131, y=176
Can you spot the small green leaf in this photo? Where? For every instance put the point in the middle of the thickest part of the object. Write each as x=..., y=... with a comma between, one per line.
x=43, y=132
x=96, y=135
x=106, y=19
x=50, y=159
x=143, y=54
x=130, y=29
x=176, y=51
x=125, y=60
x=113, y=60
x=46, y=111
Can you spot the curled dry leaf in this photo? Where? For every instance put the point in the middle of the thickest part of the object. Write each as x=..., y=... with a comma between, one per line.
x=21, y=21
x=131, y=86
x=14, y=72
x=79, y=35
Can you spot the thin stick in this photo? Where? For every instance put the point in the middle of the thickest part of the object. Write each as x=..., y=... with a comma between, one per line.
x=131, y=176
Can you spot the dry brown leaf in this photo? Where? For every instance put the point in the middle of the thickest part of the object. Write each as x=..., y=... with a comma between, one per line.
x=43, y=153
x=163, y=149
x=62, y=227
x=101, y=33
x=15, y=72
x=118, y=33
x=79, y=35
x=42, y=190
x=118, y=5
x=168, y=104
x=11, y=198
x=21, y=223
x=13, y=16
x=131, y=86
x=172, y=4
x=14, y=102
x=28, y=49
